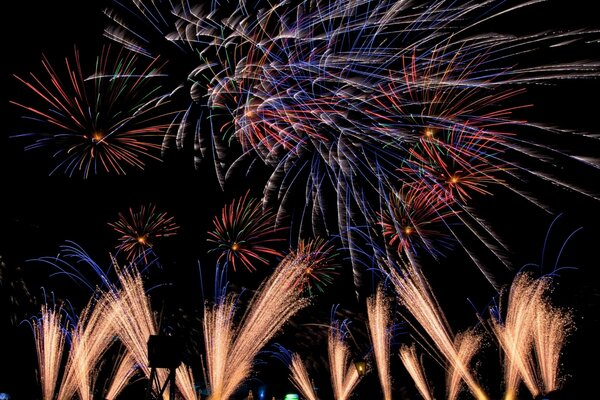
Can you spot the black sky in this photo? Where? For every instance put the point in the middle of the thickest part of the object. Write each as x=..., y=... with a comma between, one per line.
x=40, y=212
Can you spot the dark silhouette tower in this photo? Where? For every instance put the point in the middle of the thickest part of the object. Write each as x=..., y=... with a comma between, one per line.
x=163, y=352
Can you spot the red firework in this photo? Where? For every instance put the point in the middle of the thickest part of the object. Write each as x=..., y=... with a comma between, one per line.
x=413, y=220
x=245, y=233
x=100, y=120
x=140, y=230
x=320, y=268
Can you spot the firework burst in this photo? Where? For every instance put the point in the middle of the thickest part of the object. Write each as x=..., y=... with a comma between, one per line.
x=245, y=233
x=346, y=102
x=412, y=221
x=320, y=270
x=100, y=121
x=140, y=230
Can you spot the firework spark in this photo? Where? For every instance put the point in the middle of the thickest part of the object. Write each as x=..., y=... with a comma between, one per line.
x=219, y=330
x=416, y=296
x=531, y=335
x=184, y=379
x=318, y=256
x=300, y=378
x=141, y=229
x=49, y=335
x=515, y=335
x=99, y=121
x=344, y=376
x=134, y=321
x=378, y=312
x=125, y=370
x=413, y=365
x=467, y=344
x=90, y=339
x=245, y=233
x=551, y=328
x=230, y=354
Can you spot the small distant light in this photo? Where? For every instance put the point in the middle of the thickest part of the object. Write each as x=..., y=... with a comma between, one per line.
x=291, y=396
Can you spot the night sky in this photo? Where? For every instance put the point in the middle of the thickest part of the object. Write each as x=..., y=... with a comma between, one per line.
x=41, y=213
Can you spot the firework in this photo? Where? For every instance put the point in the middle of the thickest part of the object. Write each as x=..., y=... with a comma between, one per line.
x=344, y=376
x=378, y=311
x=120, y=312
x=412, y=221
x=416, y=296
x=133, y=320
x=125, y=369
x=300, y=378
x=90, y=339
x=100, y=121
x=531, y=335
x=350, y=104
x=552, y=326
x=184, y=379
x=218, y=338
x=230, y=354
x=318, y=257
x=467, y=344
x=413, y=365
x=245, y=233
x=140, y=230
x=515, y=335
x=49, y=335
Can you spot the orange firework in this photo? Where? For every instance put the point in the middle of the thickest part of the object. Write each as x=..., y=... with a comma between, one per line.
x=231, y=350
x=412, y=363
x=300, y=378
x=416, y=296
x=344, y=376
x=49, y=338
x=378, y=311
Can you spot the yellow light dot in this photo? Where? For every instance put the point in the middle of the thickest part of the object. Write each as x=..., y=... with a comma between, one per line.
x=454, y=179
x=235, y=247
x=141, y=239
x=408, y=230
x=429, y=132
x=97, y=136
